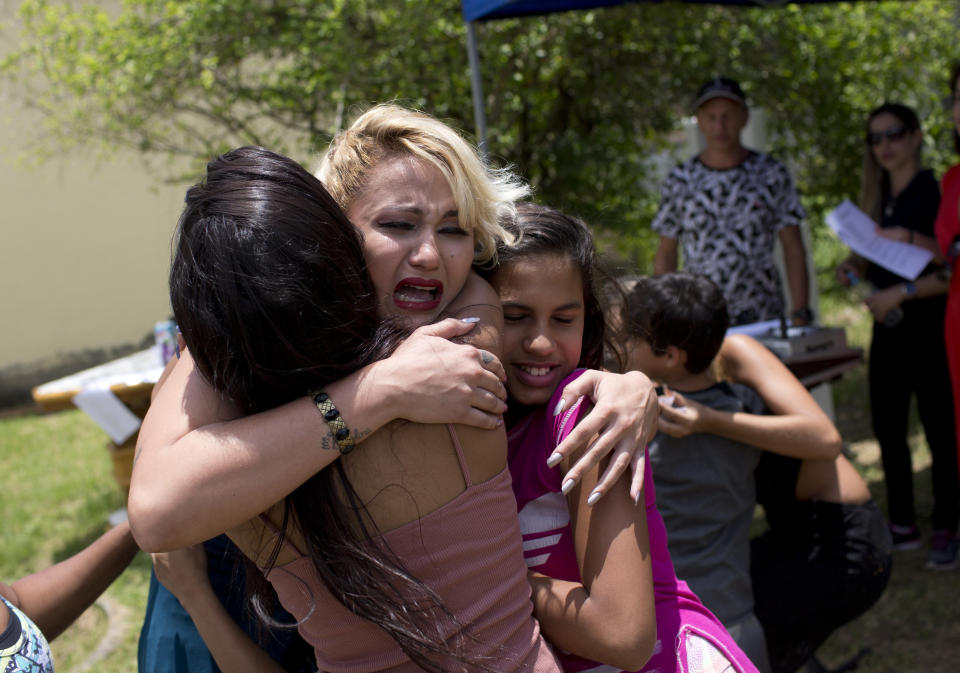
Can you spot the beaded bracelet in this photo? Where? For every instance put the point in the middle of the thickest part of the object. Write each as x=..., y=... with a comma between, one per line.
x=339, y=429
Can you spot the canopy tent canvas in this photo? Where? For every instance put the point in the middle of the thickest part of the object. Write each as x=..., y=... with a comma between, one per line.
x=482, y=10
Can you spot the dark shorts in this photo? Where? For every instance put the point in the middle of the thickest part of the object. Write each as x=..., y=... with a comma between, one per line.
x=822, y=574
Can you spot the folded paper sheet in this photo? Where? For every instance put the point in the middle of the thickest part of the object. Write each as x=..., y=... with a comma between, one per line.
x=859, y=232
x=108, y=412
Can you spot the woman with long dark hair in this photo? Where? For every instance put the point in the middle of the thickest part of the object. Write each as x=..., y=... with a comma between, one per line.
x=907, y=351
x=406, y=555
x=427, y=208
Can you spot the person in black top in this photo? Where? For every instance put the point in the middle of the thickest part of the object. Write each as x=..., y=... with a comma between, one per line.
x=907, y=351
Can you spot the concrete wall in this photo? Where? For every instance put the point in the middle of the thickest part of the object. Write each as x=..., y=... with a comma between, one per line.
x=84, y=251
x=83, y=264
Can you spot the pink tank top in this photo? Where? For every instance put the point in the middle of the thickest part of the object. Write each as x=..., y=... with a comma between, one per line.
x=549, y=549
x=469, y=552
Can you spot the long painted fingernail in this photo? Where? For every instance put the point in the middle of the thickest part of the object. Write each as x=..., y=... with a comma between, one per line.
x=469, y=319
x=593, y=497
x=554, y=459
x=567, y=486
x=636, y=500
x=560, y=405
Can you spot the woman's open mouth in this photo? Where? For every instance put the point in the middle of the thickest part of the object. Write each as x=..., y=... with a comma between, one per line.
x=418, y=294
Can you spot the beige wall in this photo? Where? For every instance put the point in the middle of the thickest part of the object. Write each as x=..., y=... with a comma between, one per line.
x=83, y=256
x=84, y=250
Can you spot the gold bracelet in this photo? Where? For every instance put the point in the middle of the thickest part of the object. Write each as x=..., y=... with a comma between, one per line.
x=339, y=429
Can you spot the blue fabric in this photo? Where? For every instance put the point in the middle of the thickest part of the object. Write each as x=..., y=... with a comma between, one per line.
x=481, y=10
x=170, y=643
x=475, y=10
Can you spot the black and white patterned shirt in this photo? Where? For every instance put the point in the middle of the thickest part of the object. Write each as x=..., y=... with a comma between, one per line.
x=726, y=222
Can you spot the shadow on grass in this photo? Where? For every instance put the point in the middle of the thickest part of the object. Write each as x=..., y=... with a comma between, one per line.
x=103, y=501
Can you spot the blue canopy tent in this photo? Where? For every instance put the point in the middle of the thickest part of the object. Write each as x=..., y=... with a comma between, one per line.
x=484, y=10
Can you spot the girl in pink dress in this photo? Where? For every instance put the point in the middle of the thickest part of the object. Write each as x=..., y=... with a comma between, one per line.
x=595, y=565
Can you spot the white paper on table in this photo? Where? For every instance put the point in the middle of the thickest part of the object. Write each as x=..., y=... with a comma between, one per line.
x=755, y=329
x=858, y=231
x=108, y=412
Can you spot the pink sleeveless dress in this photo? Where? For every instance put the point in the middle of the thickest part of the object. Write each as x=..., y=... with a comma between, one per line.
x=469, y=552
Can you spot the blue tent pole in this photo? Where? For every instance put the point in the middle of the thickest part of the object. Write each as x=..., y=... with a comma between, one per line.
x=476, y=86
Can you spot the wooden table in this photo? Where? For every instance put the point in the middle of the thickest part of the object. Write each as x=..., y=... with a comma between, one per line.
x=815, y=368
x=820, y=359
x=130, y=378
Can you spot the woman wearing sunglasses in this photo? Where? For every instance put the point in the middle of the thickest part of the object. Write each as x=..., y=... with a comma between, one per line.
x=907, y=351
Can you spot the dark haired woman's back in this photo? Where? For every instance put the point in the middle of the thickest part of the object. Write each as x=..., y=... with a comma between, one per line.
x=446, y=517
x=447, y=514
x=407, y=554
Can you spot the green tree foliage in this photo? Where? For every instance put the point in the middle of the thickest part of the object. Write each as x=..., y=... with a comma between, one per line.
x=577, y=101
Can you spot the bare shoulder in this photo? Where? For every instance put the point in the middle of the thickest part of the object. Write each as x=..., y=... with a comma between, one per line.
x=484, y=450
x=478, y=299
x=185, y=401
x=743, y=359
x=475, y=290
x=259, y=538
x=747, y=361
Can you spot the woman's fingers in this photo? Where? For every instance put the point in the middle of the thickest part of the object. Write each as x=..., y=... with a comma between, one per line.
x=448, y=328
x=492, y=364
x=638, y=467
x=669, y=427
x=621, y=424
x=486, y=401
x=484, y=420
x=620, y=459
x=591, y=453
x=669, y=412
x=578, y=438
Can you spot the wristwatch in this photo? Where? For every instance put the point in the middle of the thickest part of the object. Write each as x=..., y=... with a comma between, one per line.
x=909, y=289
x=803, y=314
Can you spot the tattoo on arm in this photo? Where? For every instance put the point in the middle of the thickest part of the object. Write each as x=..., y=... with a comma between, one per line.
x=327, y=442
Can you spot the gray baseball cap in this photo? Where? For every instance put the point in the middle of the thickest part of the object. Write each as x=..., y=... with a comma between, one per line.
x=719, y=87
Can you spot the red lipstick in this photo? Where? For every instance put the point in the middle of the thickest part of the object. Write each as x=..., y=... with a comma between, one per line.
x=418, y=294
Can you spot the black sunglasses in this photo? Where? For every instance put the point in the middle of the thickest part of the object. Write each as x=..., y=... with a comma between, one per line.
x=896, y=133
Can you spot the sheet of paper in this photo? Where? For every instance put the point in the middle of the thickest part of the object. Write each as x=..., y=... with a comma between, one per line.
x=858, y=231
x=755, y=329
x=108, y=412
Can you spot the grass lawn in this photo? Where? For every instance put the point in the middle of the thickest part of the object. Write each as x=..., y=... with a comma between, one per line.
x=59, y=491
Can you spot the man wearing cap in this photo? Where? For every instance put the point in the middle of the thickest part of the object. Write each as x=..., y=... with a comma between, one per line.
x=725, y=206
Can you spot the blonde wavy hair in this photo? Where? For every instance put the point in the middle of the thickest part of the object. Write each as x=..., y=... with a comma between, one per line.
x=483, y=195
